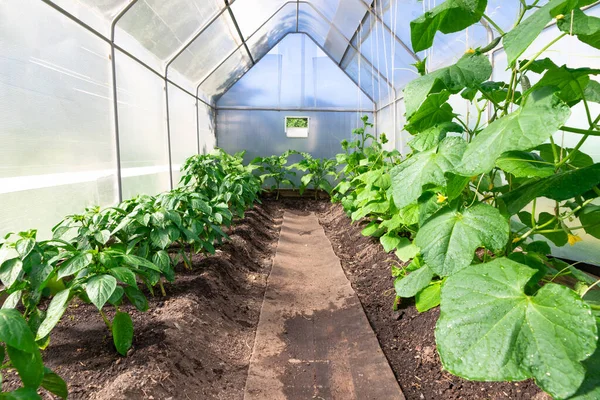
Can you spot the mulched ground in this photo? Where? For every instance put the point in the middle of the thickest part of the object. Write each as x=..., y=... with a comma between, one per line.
x=196, y=343
x=407, y=336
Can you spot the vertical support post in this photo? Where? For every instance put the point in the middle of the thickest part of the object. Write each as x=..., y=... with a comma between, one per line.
x=197, y=125
x=168, y=130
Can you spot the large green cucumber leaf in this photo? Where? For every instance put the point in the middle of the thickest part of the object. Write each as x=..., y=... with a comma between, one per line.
x=428, y=167
x=523, y=164
x=470, y=71
x=489, y=329
x=586, y=27
x=414, y=282
x=520, y=38
x=450, y=16
x=449, y=239
x=531, y=125
x=557, y=187
x=434, y=110
x=590, y=388
x=431, y=137
x=572, y=83
x=590, y=219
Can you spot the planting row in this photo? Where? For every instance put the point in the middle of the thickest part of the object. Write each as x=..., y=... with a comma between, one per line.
x=463, y=209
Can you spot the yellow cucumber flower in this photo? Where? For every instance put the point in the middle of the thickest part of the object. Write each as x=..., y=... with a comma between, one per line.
x=441, y=198
x=573, y=239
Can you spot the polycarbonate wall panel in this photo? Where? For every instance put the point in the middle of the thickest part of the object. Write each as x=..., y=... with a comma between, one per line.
x=209, y=50
x=575, y=54
x=142, y=129
x=385, y=124
x=184, y=133
x=296, y=74
x=271, y=33
x=262, y=133
x=206, y=128
x=96, y=13
x=163, y=27
x=312, y=23
x=225, y=75
x=57, y=139
x=251, y=14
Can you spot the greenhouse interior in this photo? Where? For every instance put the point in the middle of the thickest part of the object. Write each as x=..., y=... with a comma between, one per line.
x=303, y=199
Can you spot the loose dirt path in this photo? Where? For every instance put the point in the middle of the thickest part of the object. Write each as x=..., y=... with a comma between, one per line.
x=313, y=338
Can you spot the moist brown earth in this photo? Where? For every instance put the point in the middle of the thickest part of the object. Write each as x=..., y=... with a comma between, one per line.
x=196, y=342
x=406, y=336
x=193, y=344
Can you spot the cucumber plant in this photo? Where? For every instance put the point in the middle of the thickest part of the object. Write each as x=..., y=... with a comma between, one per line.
x=470, y=198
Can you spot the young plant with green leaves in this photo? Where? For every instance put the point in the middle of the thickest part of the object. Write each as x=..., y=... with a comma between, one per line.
x=485, y=197
x=274, y=169
x=317, y=172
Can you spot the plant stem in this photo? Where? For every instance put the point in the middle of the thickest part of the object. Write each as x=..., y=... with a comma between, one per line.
x=539, y=53
x=105, y=319
x=488, y=19
x=162, y=288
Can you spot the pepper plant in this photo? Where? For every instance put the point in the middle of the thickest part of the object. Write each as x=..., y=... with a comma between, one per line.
x=471, y=197
x=275, y=169
x=317, y=170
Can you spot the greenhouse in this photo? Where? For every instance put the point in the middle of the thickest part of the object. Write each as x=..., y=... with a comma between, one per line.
x=303, y=199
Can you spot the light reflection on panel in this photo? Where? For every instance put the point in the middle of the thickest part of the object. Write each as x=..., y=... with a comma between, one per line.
x=300, y=76
x=250, y=14
x=208, y=50
x=226, y=75
x=311, y=22
x=96, y=13
x=182, y=122
x=206, y=130
x=57, y=147
x=142, y=129
x=266, y=37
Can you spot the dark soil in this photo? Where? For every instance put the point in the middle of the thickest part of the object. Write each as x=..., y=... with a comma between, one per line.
x=407, y=336
x=194, y=344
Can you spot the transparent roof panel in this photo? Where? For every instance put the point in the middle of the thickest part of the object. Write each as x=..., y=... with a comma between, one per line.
x=209, y=49
x=226, y=75
x=163, y=27
x=251, y=14
x=96, y=13
x=272, y=31
x=312, y=22
x=345, y=15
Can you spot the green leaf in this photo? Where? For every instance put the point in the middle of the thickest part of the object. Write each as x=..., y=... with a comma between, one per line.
x=406, y=250
x=489, y=329
x=429, y=297
x=15, y=332
x=570, y=82
x=24, y=247
x=428, y=167
x=12, y=301
x=136, y=261
x=434, y=110
x=590, y=219
x=137, y=298
x=56, y=309
x=557, y=187
x=10, y=271
x=449, y=239
x=450, y=16
x=124, y=275
x=531, y=125
x=389, y=241
x=524, y=165
x=160, y=238
x=29, y=365
x=470, y=71
x=414, y=282
x=55, y=384
x=431, y=137
x=518, y=39
x=75, y=264
x=558, y=238
x=122, y=331
x=586, y=27
x=99, y=289
x=590, y=388
x=26, y=393
x=116, y=298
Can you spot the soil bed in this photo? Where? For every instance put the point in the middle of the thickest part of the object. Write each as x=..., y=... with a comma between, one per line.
x=194, y=344
x=407, y=336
